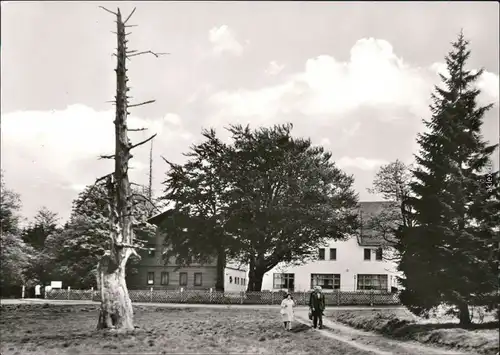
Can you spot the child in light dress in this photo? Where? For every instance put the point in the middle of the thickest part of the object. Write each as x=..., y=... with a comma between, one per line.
x=287, y=311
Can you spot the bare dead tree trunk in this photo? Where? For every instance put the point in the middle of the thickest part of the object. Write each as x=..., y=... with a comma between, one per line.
x=116, y=307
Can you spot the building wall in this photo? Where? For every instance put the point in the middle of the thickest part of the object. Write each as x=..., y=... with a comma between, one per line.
x=235, y=275
x=349, y=263
x=235, y=279
x=140, y=280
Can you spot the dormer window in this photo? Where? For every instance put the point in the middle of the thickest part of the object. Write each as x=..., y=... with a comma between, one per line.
x=367, y=254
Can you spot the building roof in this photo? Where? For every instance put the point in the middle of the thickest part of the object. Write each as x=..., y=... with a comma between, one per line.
x=158, y=218
x=367, y=236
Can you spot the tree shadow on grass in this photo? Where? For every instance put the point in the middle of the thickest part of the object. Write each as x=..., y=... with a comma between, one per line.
x=403, y=329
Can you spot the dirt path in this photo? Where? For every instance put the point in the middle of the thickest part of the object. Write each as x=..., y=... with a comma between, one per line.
x=371, y=342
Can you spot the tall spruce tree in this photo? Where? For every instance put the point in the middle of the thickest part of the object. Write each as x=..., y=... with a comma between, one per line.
x=449, y=255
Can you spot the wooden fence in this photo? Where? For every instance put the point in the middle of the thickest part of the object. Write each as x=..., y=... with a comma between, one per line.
x=336, y=298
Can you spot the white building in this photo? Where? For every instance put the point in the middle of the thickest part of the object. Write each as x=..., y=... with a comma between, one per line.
x=356, y=264
x=235, y=277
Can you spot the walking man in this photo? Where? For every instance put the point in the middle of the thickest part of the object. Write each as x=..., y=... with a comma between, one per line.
x=317, y=306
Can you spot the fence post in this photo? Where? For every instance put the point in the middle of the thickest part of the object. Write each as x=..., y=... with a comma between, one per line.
x=23, y=289
x=151, y=295
x=304, y=297
x=272, y=297
x=241, y=297
x=338, y=298
x=92, y=293
x=69, y=290
x=210, y=295
x=372, y=296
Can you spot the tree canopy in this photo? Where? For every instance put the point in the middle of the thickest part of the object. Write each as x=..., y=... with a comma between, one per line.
x=276, y=198
x=15, y=254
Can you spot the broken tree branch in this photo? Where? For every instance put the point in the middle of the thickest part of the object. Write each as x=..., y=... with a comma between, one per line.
x=111, y=12
x=141, y=143
x=145, y=198
x=142, y=103
x=129, y=16
x=147, y=52
x=136, y=129
x=112, y=156
x=90, y=192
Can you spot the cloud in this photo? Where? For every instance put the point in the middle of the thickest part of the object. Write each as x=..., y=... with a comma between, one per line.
x=49, y=155
x=329, y=89
x=374, y=75
x=274, y=68
x=224, y=41
x=351, y=131
x=488, y=83
x=360, y=163
x=325, y=142
x=172, y=119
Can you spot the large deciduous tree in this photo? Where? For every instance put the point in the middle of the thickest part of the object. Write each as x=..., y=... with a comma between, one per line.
x=288, y=197
x=392, y=182
x=449, y=255
x=198, y=190
x=77, y=248
x=276, y=197
x=15, y=254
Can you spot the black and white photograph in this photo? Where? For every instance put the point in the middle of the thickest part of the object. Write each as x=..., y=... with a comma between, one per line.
x=250, y=177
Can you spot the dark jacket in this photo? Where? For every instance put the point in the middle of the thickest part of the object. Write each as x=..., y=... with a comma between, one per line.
x=315, y=303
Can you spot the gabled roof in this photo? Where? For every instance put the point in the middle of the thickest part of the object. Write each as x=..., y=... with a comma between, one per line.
x=366, y=236
x=157, y=219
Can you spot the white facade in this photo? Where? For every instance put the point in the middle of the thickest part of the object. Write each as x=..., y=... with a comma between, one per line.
x=341, y=274
x=235, y=278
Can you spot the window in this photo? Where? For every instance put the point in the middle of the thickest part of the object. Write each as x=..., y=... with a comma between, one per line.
x=372, y=282
x=333, y=254
x=197, y=279
x=151, y=250
x=237, y=280
x=378, y=254
x=368, y=254
x=230, y=279
x=151, y=278
x=284, y=281
x=183, y=279
x=164, y=278
x=321, y=254
x=244, y=281
x=326, y=281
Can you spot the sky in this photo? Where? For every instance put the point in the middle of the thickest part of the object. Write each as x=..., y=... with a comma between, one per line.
x=354, y=77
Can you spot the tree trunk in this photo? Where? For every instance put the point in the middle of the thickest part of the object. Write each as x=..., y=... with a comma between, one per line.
x=116, y=307
x=464, y=315
x=255, y=276
x=221, y=265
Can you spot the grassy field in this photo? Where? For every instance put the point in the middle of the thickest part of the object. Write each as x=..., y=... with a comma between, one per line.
x=56, y=329
x=441, y=331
